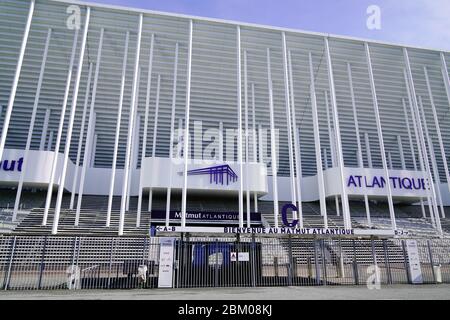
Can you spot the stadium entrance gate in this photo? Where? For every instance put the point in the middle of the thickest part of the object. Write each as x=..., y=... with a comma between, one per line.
x=35, y=262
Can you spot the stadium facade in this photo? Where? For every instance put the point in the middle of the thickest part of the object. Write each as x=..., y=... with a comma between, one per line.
x=101, y=101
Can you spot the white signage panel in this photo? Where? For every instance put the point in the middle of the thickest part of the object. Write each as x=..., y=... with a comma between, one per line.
x=414, y=261
x=166, y=254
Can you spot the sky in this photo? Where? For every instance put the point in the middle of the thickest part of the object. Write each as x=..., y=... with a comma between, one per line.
x=421, y=23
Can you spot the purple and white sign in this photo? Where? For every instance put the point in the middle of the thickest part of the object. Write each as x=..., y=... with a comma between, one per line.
x=207, y=217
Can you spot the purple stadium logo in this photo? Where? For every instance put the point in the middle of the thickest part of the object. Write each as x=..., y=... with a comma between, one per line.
x=217, y=174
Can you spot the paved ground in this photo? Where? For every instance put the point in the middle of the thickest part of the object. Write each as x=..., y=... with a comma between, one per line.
x=430, y=292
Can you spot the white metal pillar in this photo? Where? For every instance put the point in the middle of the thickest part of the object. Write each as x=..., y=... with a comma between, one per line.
x=80, y=139
x=239, y=138
x=400, y=150
x=340, y=158
x=421, y=145
x=433, y=164
x=50, y=141
x=246, y=137
x=134, y=148
x=44, y=129
x=130, y=127
x=368, y=151
x=144, y=138
x=438, y=128
x=60, y=129
x=380, y=136
x=71, y=121
x=358, y=138
x=12, y=95
x=411, y=146
x=186, y=126
x=172, y=131
x=93, y=148
x=254, y=136
x=288, y=120
x=220, y=141
x=273, y=152
x=389, y=158
x=31, y=125
x=155, y=133
x=117, y=136
x=315, y=116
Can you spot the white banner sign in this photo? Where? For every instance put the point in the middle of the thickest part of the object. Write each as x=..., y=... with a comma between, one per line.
x=166, y=262
x=414, y=261
x=280, y=231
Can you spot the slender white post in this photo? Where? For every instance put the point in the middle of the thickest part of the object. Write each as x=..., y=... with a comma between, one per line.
x=144, y=138
x=116, y=141
x=239, y=138
x=130, y=126
x=94, y=148
x=389, y=158
x=438, y=128
x=186, y=125
x=134, y=148
x=255, y=149
x=340, y=158
x=400, y=150
x=155, y=133
x=220, y=141
x=433, y=165
x=172, y=131
x=80, y=140
x=380, y=136
x=295, y=131
x=272, y=142
x=288, y=120
x=31, y=126
x=358, y=139
x=315, y=116
x=50, y=141
x=12, y=95
x=59, y=134
x=44, y=129
x=71, y=121
x=421, y=145
x=411, y=146
x=246, y=137
x=368, y=151
x=445, y=76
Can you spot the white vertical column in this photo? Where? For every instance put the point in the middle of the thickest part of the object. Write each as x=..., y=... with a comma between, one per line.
x=272, y=142
x=438, y=128
x=44, y=129
x=340, y=158
x=289, y=121
x=380, y=136
x=31, y=125
x=186, y=129
x=315, y=116
x=12, y=95
x=239, y=138
x=297, y=156
x=411, y=146
x=80, y=139
x=220, y=141
x=50, y=141
x=48, y=198
x=389, y=158
x=93, y=148
x=433, y=164
x=246, y=137
x=421, y=145
x=400, y=150
x=134, y=148
x=130, y=127
x=71, y=121
x=144, y=138
x=172, y=131
x=358, y=139
x=254, y=136
x=155, y=133
x=116, y=140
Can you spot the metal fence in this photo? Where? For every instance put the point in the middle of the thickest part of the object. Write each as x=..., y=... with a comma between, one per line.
x=30, y=262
